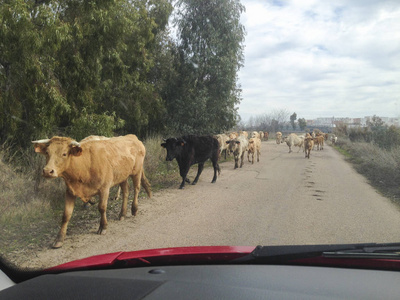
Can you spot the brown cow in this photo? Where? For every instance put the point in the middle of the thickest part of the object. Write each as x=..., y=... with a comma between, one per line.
x=266, y=134
x=319, y=142
x=308, y=145
x=92, y=168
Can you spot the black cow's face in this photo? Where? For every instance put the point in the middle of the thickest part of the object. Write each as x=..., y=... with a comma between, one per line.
x=174, y=147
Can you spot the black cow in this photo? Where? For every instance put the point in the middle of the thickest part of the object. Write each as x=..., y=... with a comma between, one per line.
x=189, y=150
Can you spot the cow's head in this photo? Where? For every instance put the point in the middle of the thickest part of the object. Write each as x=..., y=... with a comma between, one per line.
x=58, y=151
x=174, y=147
x=233, y=144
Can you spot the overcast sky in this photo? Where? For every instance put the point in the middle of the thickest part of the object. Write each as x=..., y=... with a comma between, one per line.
x=321, y=58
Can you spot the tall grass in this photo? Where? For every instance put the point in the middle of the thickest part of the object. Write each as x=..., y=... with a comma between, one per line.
x=380, y=166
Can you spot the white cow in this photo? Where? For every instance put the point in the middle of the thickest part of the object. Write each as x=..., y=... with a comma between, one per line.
x=294, y=140
x=238, y=147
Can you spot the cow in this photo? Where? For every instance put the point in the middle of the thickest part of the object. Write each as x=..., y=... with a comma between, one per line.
x=266, y=134
x=245, y=133
x=308, y=145
x=261, y=135
x=255, y=134
x=233, y=135
x=333, y=139
x=223, y=147
x=294, y=140
x=278, y=136
x=254, y=148
x=238, y=147
x=92, y=168
x=189, y=150
x=89, y=138
x=319, y=141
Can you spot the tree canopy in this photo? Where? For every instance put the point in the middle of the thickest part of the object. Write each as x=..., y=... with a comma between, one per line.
x=72, y=67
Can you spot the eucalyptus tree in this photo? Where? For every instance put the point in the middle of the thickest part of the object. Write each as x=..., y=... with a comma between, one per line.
x=206, y=93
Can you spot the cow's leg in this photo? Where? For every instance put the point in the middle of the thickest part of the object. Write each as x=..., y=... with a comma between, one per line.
x=118, y=194
x=136, y=185
x=236, y=161
x=241, y=159
x=199, y=170
x=69, y=208
x=102, y=209
x=183, y=172
x=216, y=168
x=125, y=192
x=248, y=156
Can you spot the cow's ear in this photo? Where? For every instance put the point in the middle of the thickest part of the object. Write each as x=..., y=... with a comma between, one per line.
x=181, y=142
x=40, y=148
x=76, y=151
x=164, y=145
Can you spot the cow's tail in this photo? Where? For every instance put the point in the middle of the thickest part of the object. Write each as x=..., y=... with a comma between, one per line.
x=146, y=184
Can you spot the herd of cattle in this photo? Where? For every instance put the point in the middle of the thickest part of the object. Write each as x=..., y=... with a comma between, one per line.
x=95, y=164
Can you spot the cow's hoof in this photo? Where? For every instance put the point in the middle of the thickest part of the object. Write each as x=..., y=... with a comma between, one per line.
x=194, y=182
x=121, y=218
x=57, y=244
x=134, y=211
x=102, y=231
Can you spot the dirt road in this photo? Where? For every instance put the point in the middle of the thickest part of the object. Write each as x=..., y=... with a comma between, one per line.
x=283, y=199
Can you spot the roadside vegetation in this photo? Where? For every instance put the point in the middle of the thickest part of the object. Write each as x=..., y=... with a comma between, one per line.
x=375, y=153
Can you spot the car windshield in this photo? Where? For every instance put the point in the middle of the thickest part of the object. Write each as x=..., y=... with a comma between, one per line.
x=138, y=124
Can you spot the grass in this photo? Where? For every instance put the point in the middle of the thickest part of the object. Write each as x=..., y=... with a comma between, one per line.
x=381, y=167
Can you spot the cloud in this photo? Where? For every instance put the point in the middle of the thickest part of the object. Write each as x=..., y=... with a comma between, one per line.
x=321, y=59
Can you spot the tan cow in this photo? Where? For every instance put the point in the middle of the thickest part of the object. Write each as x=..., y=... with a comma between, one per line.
x=233, y=135
x=89, y=138
x=92, y=168
x=222, y=139
x=244, y=133
x=308, y=145
x=254, y=148
x=255, y=134
x=319, y=142
x=278, y=136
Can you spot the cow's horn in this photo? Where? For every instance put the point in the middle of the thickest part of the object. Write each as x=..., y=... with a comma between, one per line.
x=45, y=141
x=75, y=143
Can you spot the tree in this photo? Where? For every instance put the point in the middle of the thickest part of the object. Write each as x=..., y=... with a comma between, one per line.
x=302, y=123
x=31, y=96
x=293, y=118
x=80, y=67
x=209, y=54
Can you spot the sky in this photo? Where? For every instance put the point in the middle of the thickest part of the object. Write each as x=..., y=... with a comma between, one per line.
x=322, y=58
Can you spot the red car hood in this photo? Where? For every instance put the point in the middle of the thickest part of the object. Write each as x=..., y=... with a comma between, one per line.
x=201, y=254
